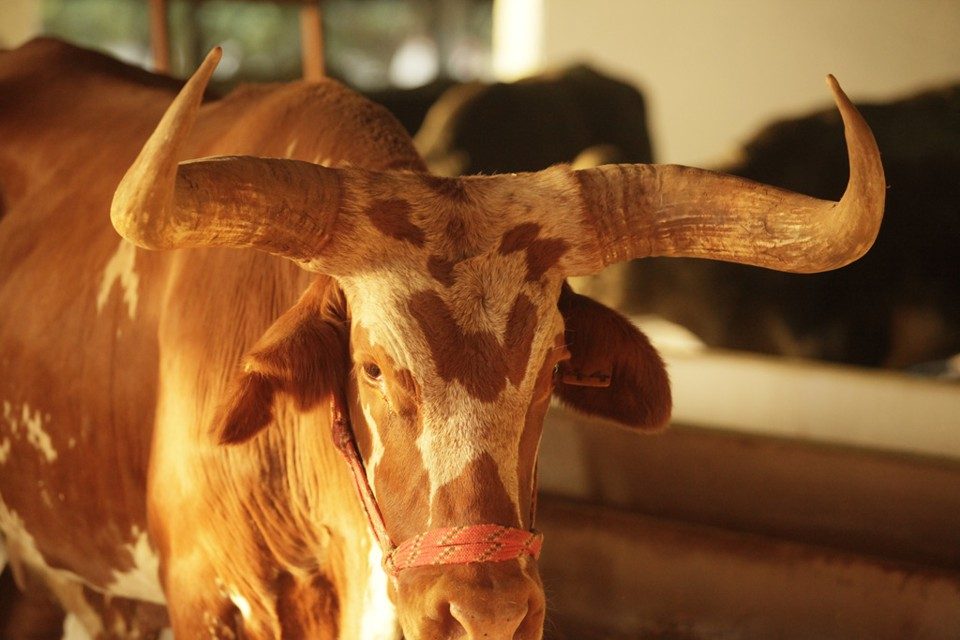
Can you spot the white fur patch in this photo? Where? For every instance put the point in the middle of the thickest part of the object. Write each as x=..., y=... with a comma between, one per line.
x=73, y=629
x=5, y=446
x=31, y=424
x=142, y=582
x=376, y=452
x=379, y=619
x=242, y=605
x=450, y=444
x=120, y=270
x=65, y=586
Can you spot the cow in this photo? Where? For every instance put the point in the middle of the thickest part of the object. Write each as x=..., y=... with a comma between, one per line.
x=534, y=123
x=302, y=397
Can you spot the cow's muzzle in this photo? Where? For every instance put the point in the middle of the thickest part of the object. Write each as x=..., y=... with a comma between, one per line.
x=494, y=601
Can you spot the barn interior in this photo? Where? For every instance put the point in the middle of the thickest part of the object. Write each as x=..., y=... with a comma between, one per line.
x=809, y=483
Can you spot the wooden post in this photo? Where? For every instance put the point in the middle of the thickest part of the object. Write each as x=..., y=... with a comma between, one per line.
x=160, y=36
x=311, y=40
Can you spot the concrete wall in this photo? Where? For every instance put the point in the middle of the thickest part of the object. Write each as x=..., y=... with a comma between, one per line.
x=19, y=21
x=716, y=70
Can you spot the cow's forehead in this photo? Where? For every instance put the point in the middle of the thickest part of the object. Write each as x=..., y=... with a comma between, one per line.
x=491, y=309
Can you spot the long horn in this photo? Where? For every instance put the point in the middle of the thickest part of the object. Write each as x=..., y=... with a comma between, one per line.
x=285, y=207
x=667, y=210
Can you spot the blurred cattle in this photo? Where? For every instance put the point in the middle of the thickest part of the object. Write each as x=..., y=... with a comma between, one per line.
x=898, y=307
x=534, y=123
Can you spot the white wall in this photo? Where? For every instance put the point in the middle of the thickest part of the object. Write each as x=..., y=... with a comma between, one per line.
x=19, y=21
x=715, y=70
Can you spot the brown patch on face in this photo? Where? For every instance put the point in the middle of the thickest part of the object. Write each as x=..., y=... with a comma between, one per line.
x=456, y=229
x=441, y=269
x=447, y=188
x=476, y=360
x=477, y=496
x=519, y=238
x=400, y=476
x=541, y=254
x=391, y=217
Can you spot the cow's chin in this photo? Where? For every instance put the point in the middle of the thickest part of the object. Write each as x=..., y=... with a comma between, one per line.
x=494, y=601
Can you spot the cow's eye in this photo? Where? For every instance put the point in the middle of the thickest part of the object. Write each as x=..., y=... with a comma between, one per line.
x=372, y=371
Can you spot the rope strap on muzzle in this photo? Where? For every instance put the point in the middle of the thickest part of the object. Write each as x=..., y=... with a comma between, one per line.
x=451, y=545
x=460, y=545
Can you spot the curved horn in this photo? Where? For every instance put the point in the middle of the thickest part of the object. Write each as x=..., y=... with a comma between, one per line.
x=285, y=207
x=667, y=210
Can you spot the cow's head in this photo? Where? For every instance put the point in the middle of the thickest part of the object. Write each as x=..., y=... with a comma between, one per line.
x=460, y=324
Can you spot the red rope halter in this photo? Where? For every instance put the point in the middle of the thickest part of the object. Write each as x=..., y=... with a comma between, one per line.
x=451, y=545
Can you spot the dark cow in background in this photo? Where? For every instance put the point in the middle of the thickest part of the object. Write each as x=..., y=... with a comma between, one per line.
x=534, y=123
x=898, y=307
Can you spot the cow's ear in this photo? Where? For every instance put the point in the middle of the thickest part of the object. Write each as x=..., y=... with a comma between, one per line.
x=303, y=355
x=613, y=372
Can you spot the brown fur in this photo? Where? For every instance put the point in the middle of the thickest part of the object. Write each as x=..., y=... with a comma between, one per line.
x=601, y=341
x=392, y=218
x=447, y=188
x=476, y=360
x=441, y=269
x=542, y=255
x=303, y=354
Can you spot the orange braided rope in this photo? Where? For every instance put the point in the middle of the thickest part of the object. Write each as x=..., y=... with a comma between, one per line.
x=451, y=545
x=460, y=545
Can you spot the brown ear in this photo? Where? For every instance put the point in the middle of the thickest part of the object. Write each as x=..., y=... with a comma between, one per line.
x=614, y=372
x=303, y=354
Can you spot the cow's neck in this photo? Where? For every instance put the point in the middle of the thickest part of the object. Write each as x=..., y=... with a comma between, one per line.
x=289, y=485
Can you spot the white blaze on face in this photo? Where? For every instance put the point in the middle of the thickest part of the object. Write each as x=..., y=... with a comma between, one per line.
x=27, y=423
x=376, y=446
x=120, y=270
x=142, y=581
x=449, y=447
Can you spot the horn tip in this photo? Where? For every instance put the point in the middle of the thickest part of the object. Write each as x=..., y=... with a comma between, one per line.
x=835, y=88
x=833, y=84
x=211, y=61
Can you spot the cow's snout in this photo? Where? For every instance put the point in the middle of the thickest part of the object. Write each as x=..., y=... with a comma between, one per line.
x=492, y=601
x=478, y=619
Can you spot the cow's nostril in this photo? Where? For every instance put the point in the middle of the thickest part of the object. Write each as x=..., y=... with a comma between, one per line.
x=489, y=622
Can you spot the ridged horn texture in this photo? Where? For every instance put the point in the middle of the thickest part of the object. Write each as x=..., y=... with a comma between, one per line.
x=668, y=210
x=284, y=207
